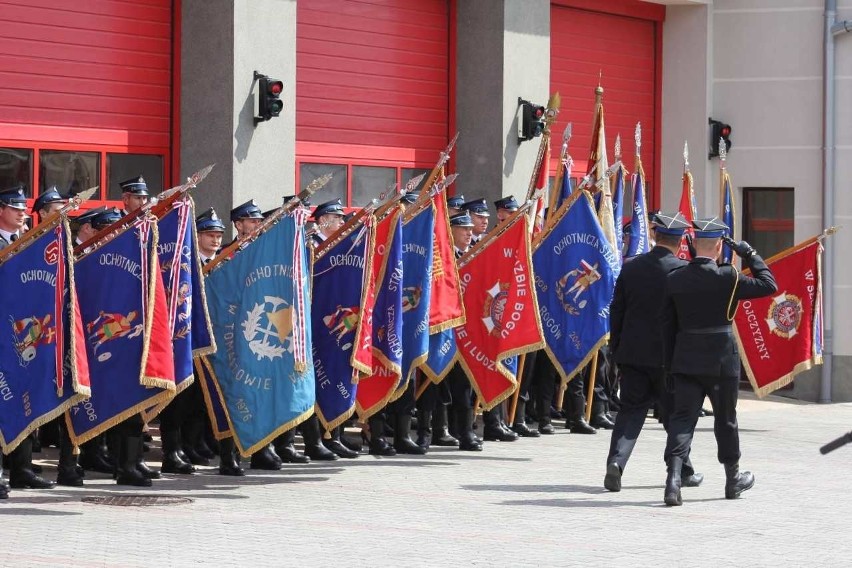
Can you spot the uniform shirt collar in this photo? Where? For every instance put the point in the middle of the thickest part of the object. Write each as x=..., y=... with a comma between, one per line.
x=7, y=235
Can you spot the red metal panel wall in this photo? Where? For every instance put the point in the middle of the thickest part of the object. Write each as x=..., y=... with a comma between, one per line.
x=621, y=52
x=86, y=71
x=373, y=73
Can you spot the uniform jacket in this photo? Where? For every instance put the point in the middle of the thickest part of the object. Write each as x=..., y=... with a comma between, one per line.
x=699, y=339
x=636, y=335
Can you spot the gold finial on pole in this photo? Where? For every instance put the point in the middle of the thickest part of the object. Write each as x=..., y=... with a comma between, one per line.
x=617, y=150
x=685, y=155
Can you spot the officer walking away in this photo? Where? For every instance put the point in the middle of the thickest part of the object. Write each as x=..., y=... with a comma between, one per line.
x=636, y=345
x=701, y=353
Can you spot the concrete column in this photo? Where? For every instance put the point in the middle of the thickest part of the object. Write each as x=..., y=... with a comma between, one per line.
x=222, y=43
x=503, y=52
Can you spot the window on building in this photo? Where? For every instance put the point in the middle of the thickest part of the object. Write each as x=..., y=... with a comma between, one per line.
x=334, y=189
x=121, y=167
x=16, y=167
x=370, y=182
x=768, y=218
x=68, y=171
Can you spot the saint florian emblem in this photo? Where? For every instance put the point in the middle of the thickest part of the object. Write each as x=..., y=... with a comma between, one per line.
x=341, y=323
x=575, y=284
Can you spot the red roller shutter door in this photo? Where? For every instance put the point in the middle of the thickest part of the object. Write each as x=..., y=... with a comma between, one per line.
x=95, y=72
x=623, y=51
x=372, y=79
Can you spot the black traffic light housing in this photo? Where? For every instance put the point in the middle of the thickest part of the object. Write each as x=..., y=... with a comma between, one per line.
x=530, y=120
x=269, y=103
x=719, y=129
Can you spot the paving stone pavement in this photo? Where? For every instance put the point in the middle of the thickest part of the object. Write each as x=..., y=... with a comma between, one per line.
x=534, y=502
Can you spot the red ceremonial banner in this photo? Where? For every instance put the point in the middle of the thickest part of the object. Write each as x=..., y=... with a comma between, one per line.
x=159, y=359
x=781, y=335
x=375, y=391
x=446, y=308
x=502, y=310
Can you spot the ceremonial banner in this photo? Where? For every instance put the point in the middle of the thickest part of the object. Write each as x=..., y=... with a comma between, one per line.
x=446, y=308
x=618, y=209
x=541, y=182
x=729, y=215
x=254, y=303
x=43, y=366
x=561, y=193
x=599, y=164
x=338, y=298
x=687, y=208
x=575, y=273
x=443, y=352
x=180, y=265
x=125, y=317
x=640, y=238
x=781, y=335
x=375, y=391
x=214, y=401
x=500, y=301
x=417, y=246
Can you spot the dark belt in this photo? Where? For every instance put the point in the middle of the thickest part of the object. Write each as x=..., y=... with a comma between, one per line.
x=707, y=330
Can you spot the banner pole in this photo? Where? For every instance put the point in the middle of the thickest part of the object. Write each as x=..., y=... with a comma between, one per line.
x=591, y=391
x=513, y=408
x=560, y=398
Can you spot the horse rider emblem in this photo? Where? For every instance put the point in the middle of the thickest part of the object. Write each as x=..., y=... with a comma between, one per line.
x=574, y=284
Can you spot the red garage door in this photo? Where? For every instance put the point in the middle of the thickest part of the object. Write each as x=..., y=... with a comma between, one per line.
x=86, y=94
x=372, y=93
x=618, y=45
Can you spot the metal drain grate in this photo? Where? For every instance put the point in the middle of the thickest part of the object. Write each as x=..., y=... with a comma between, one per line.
x=137, y=500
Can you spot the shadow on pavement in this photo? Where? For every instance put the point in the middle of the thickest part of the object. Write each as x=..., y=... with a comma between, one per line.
x=536, y=488
x=590, y=504
x=30, y=512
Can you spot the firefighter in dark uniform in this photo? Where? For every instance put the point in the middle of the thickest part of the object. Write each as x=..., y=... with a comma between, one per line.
x=455, y=205
x=636, y=342
x=13, y=216
x=701, y=353
x=328, y=218
x=461, y=392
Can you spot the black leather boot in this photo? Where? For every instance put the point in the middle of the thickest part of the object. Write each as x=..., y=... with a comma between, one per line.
x=285, y=447
x=314, y=448
x=228, y=463
x=612, y=479
x=424, y=429
x=21, y=474
x=94, y=458
x=266, y=459
x=191, y=440
x=736, y=481
x=4, y=485
x=467, y=439
x=335, y=445
x=599, y=416
x=440, y=427
x=67, y=472
x=492, y=430
x=379, y=446
x=142, y=467
x=402, y=442
x=127, y=456
x=520, y=426
x=172, y=460
x=671, y=497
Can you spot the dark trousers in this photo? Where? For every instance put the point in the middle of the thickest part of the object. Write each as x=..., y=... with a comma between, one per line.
x=690, y=391
x=641, y=387
x=405, y=403
x=460, y=389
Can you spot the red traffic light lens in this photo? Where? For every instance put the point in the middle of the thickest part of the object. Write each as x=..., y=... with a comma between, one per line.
x=539, y=112
x=275, y=87
x=726, y=131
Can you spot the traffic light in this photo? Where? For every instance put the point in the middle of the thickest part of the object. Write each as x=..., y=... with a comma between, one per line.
x=719, y=129
x=269, y=103
x=530, y=120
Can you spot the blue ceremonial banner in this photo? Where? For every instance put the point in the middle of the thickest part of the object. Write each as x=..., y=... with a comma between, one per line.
x=124, y=314
x=728, y=216
x=565, y=187
x=38, y=356
x=213, y=399
x=640, y=238
x=575, y=273
x=260, y=322
x=442, y=354
x=417, y=248
x=618, y=209
x=338, y=286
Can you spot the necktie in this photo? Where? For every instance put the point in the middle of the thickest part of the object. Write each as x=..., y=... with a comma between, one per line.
x=13, y=237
